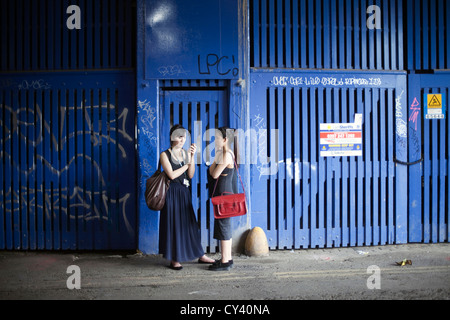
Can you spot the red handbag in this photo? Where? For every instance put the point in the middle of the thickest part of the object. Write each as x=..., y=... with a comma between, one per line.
x=231, y=205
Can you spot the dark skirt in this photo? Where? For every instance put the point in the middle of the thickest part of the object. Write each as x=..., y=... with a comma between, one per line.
x=179, y=234
x=222, y=229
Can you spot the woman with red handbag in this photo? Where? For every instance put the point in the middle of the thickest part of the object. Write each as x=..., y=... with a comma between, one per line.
x=224, y=169
x=179, y=235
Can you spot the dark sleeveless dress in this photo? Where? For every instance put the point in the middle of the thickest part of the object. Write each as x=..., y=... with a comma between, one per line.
x=226, y=185
x=179, y=234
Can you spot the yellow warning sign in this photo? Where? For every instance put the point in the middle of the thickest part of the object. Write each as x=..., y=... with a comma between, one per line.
x=436, y=105
x=434, y=101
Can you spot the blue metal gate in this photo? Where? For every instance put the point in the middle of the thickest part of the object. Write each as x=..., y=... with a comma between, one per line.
x=200, y=112
x=68, y=116
x=68, y=159
x=326, y=34
x=190, y=60
x=429, y=145
x=340, y=201
x=67, y=136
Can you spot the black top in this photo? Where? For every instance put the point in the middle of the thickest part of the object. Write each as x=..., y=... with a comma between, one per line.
x=226, y=183
x=177, y=165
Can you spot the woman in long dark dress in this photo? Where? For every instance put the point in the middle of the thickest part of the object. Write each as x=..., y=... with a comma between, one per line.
x=179, y=235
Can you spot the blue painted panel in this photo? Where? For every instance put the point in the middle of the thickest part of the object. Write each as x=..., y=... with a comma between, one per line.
x=191, y=39
x=428, y=39
x=66, y=137
x=200, y=112
x=330, y=34
x=429, y=141
x=197, y=105
x=328, y=202
x=68, y=146
x=38, y=40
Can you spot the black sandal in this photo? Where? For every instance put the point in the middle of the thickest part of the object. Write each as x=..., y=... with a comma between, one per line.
x=171, y=266
x=204, y=262
x=220, y=266
x=230, y=262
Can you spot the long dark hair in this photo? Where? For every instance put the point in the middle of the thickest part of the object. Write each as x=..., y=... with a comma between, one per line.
x=231, y=135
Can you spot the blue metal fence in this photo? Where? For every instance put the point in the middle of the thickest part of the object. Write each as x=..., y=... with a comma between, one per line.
x=339, y=201
x=429, y=145
x=200, y=112
x=67, y=137
x=428, y=39
x=326, y=34
x=67, y=150
x=35, y=36
x=313, y=201
x=428, y=58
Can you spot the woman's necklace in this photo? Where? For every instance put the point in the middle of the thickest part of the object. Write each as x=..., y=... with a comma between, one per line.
x=176, y=157
x=181, y=163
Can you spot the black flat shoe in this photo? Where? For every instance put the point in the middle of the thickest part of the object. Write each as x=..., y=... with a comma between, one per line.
x=171, y=266
x=230, y=262
x=220, y=266
x=204, y=262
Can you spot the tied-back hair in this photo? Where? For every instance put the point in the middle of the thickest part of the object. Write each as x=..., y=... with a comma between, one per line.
x=231, y=135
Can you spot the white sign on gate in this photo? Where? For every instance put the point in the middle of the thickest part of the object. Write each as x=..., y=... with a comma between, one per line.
x=341, y=139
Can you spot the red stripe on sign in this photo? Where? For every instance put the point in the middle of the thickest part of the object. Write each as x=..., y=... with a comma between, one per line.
x=340, y=135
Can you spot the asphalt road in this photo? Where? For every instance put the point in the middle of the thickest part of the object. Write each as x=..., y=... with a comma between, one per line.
x=367, y=273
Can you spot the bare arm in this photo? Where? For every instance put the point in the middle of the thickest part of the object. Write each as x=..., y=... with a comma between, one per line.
x=219, y=165
x=190, y=161
x=167, y=167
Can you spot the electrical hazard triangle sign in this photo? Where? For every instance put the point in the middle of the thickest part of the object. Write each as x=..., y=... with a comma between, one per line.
x=435, y=101
x=436, y=106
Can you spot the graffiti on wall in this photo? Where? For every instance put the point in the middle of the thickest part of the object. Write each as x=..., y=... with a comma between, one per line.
x=61, y=169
